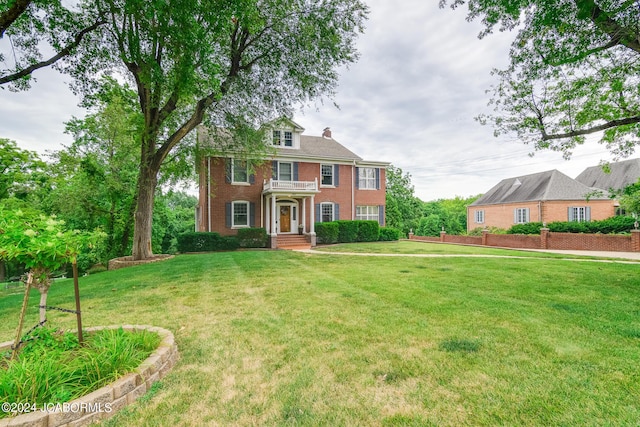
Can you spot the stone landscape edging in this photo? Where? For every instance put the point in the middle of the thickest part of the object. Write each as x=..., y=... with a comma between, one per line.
x=127, y=261
x=110, y=398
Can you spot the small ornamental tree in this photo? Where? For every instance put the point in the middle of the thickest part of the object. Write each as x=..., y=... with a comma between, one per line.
x=43, y=245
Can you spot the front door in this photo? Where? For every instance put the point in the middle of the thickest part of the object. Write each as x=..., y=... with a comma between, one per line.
x=285, y=219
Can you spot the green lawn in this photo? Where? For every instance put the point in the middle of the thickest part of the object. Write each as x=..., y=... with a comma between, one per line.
x=279, y=338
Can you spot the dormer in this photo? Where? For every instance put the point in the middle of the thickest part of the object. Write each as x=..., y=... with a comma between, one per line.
x=285, y=133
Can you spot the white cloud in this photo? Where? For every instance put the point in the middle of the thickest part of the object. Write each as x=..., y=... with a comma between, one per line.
x=410, y=100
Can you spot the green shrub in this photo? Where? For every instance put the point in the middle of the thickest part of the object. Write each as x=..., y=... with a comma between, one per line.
x=326, y=232
x=347, y=231
x=252, y=237
x=368, y=231
x=613, y=225
x=206, y=242
x=528, y=228
x=388, y=234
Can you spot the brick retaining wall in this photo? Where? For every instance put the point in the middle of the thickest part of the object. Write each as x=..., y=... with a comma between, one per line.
x=110, y=398
x=545, y=240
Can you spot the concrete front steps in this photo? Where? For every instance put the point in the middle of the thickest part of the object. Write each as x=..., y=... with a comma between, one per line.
x=292, y=242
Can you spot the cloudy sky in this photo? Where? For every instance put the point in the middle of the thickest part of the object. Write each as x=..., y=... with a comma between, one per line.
x=410, y=100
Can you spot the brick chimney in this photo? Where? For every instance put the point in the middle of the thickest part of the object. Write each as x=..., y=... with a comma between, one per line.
x=326, y=133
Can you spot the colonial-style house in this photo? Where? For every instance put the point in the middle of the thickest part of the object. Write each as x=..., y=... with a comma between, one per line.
x=540, y=197
x=307, y=179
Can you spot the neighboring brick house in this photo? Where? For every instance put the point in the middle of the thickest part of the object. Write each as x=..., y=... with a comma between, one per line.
x=309, y=179
x=541, y=197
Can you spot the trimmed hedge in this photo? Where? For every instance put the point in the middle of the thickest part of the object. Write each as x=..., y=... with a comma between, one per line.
x=347, y=231
x=327, y=232
x=206, y=242
x=613, y=225
x=388, y=234
x=252, y=237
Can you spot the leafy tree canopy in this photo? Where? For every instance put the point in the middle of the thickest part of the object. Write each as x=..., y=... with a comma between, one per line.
x=574, y=71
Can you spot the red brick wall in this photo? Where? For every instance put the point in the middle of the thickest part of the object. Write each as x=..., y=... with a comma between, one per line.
x=501, y=216
x=589, y=242
x=223, y=192
x=559, y=241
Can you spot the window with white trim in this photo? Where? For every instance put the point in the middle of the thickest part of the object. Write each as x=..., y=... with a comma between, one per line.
x=285, y=171
x=240, y=214
x=579, y=214
x=326, y=212
x=370, y=213
x=521, y=215
x=239, y=171
x=282, y=138
x=478, y=216
x=367, y=178
x=326, y=173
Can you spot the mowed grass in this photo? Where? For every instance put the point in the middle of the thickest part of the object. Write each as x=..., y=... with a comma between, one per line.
x=283, y=338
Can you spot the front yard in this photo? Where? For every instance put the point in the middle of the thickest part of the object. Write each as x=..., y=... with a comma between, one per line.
x=275, y=337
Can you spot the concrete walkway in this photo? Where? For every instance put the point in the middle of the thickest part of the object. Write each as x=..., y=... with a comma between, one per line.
x=615, y=257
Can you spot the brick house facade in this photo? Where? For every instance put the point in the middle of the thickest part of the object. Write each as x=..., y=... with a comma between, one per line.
x=541, y=197
x=309, y=179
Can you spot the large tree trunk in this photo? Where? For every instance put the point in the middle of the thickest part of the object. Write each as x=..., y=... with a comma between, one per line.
x=147, y=182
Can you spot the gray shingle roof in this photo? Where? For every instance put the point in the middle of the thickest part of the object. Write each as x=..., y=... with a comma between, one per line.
x=549, y=185
x=622, y=174
x=319, y=147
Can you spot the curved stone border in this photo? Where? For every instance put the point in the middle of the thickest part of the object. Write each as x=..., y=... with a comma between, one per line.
x=108, y=400
x=127, y=261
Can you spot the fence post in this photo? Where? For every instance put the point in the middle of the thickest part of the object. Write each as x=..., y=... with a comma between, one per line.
x=635, y=240
x=485, y=234
x=410, y=233
x=544, y=238
x=442, y=235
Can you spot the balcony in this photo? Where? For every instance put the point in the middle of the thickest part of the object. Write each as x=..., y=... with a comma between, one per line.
x=277, y=186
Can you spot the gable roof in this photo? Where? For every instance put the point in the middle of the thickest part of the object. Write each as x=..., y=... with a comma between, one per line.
x=541, y=186
x=621, y=175
x=318, y=147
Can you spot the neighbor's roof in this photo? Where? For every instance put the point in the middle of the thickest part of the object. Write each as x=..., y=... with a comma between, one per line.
x=542, y=186
x=622, y=174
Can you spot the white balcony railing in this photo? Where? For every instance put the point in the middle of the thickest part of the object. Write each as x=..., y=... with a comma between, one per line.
x=274, y=184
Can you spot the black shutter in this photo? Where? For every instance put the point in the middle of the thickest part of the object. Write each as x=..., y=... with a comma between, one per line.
x=357, y=177
x=252, y=214
x=381, y=215
x=377, y=178
x=336, y=212
x=318, y=218
x=295, y=171
x=274, y=169
x=227, y=170
x=336, y=175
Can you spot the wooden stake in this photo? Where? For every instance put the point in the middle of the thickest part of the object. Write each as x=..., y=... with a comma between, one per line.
x=25, y=303
x=77, y=292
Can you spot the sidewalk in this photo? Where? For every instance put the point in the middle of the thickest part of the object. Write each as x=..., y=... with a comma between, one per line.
x=601, y=254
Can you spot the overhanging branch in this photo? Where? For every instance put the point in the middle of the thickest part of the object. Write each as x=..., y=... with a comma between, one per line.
x=594, y=129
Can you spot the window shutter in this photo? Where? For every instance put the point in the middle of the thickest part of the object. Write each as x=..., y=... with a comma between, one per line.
x=569, y=213
x=295, y=171
x=357, y=177
x=336, y=211
x=515, y=216
x=318, y=218
x=526, y=216
x=252, y=179
x=227, y=170
x=377, y=178
x=336, y=175
x=227, y=215
x=252, y=214
x=274, y=169
x=587, y=213
x=381, y=215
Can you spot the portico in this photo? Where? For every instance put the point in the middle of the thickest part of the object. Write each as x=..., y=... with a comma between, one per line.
x=286, y=204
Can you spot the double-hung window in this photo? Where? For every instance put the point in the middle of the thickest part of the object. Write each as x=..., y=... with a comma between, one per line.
x=478, y=216
x=239, y=171
x=285, y=171
x=326, y=212
x=370, y=213
x=367, y=178
x=326, y=172
x=282, y=138
x=240, y=214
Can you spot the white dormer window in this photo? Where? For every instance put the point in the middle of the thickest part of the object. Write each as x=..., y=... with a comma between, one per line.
x=282, y=138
